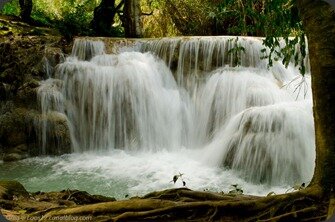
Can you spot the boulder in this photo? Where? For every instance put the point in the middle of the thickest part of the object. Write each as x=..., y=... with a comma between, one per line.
x=17, y=153
x=55, y=126
x=13, y=157
x=13, y=127
x=15, y=132
x=11, y=188
x=27, y=94
x=5, y=90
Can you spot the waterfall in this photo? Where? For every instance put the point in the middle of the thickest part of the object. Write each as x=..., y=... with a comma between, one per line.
x=269, y=144
x=53, y=123
x=85, y=50
x=198, y=93
x=128, y=101
x=229, y=91
x=194, y=57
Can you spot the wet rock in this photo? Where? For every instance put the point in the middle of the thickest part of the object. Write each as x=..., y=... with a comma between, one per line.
x=11, y=188
x=16, y=137
x=13, y=157
x=52, y=57
x=15, y=131
x=23, y=148
x=13, y=127
x=27, y=94
x=21, y=130
x=4, y=91
x=26, y=61
x=23, y=60
x=55, y=126
x=1, y=151
x=17, y=153
x=82, y=197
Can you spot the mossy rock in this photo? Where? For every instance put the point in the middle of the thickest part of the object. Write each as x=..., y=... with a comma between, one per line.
x=27, y=94
x=57, y=133
x=13, y=125
x=82, y=198
x=10, y=188
x=14, y=26
x=5, y=91
x=16, y=132
x=13, y=157
x=17, y=153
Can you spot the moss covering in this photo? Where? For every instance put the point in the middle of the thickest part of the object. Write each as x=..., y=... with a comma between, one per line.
x=9, y=188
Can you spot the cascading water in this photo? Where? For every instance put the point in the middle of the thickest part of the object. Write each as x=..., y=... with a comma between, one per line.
x=194, y=57
x=271, y=144
x=128, y=101
x=256, y=120
x=52, y=111
x=230, y=91
x=137, y=119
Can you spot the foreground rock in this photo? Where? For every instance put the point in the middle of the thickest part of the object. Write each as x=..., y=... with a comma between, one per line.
x=17, y=204
x=169, y=205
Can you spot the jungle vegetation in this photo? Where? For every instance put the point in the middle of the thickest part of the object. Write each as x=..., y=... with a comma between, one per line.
x=290, y=19
x=160, y=18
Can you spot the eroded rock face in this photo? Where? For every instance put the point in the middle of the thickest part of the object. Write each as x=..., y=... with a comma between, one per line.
x=25, y=61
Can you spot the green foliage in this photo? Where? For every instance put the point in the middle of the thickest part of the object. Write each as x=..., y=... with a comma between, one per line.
x=71, y=17
x=290, y=50
x=11, y=8
x=189, y=17
x=236, y=51
x=159, y=23
x=270, y=18
x=282, y=21
x=75, y=21
x=40, y=15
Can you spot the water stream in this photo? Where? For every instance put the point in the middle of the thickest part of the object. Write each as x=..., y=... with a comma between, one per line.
x=169, y=106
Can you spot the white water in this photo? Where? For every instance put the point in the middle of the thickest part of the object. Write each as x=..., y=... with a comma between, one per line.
x=118, y=173
x=128, y=101
x=51, y=101
x=134, y=120
x=229, y=91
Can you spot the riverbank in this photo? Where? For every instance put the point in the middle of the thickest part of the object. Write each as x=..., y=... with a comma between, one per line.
x=67, y=205
x=180, y=204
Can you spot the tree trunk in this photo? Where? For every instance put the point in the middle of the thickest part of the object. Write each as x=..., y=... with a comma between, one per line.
x=104, y=16
x=26, y=6
x=132, y=18
x=319, y=24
